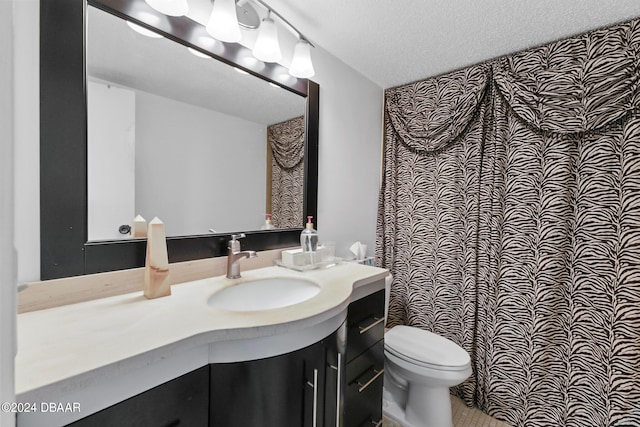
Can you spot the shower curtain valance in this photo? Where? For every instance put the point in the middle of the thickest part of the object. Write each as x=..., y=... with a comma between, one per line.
x=580, y=85
x=287, y=142
x=428, y=115
x=577, y=86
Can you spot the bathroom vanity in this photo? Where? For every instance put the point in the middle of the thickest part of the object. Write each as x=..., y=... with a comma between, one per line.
x=178, y=360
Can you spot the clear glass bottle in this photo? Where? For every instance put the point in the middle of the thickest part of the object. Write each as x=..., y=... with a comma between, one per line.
x=309, y=237
x=268, y=225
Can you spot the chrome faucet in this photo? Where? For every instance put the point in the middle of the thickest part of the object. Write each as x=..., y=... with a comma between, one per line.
x=234, y=255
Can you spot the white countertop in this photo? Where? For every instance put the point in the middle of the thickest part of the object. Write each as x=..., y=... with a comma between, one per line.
x=67, y=349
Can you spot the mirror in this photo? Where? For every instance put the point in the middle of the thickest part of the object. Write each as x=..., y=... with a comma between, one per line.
x=66, y=249
x=159, y=116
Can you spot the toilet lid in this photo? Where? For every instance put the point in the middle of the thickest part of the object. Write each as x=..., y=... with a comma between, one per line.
x=425, y=348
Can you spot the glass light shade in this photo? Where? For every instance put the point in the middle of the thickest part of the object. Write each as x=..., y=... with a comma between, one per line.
x=267, y=48
x=169, y=7
x=223, y=23
x=301, y=65
x=141, y=30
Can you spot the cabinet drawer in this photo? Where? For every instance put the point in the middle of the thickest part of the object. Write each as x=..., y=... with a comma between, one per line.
x=363, y=394
x=365, y=324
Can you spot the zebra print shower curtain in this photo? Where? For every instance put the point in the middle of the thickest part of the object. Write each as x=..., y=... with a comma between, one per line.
x=286, y=141
x=509, y=216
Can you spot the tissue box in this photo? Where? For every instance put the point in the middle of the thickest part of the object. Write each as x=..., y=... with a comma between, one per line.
x=298, y=258
x=293, y=257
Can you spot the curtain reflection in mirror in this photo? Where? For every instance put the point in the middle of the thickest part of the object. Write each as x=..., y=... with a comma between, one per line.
x=286, y=142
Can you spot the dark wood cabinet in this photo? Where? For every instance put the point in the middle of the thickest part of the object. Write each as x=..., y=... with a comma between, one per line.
x=277, y=391
x=300, y=388
x=335, y=347
x=183, y=401
x=362, y=403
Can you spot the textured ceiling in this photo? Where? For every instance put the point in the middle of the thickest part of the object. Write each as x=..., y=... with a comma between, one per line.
x=396, y=42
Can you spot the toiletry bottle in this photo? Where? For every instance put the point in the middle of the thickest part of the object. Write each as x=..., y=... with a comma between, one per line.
x=267, y=223
x=309, y=237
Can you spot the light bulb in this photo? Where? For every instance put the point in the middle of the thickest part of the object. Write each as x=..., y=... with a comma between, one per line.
x=301, y=65
x=169, y=7
x=223, y=23
x=267, y=48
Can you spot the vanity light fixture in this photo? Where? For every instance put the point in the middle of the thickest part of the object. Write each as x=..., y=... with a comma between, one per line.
x=169, y=7
x=267, y=48
x=301, y=65
x=223, y=22
x=141, y=30
x=224, y=25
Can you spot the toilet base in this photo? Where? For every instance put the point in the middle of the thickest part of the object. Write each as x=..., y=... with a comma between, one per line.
x=392, y=410
x=427, y=407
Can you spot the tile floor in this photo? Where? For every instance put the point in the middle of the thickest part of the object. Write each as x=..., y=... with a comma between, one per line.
x=463, y=417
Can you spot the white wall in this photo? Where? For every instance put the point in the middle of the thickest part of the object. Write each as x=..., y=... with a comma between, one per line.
x=349, y=153
x=7, y=254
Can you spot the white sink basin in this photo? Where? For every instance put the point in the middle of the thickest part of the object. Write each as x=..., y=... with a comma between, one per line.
x=263, y=294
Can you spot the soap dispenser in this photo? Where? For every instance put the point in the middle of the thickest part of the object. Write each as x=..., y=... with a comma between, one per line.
x=268, y=225
x=309, y=237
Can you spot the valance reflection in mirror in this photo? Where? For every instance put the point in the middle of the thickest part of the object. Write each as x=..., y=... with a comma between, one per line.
x=171, y=135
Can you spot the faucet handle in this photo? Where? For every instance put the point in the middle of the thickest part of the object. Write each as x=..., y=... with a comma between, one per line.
x=234, y=244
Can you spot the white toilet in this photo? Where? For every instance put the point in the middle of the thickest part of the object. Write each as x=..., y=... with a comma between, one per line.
x=420, y=366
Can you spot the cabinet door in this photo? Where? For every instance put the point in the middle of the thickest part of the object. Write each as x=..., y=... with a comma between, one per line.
x=335, y=347
x=284, y=390
x=315, y=378
x=179, y=402
x=257, y=393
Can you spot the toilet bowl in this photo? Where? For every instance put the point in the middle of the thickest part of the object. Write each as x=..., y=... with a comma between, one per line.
x=420, y=366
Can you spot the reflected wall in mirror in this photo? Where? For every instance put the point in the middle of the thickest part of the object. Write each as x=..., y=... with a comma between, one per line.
x=65, y=247
x=161, y=119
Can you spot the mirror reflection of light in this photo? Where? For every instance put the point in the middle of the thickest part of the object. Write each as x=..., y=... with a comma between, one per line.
x=150, y=18
x=285, y=78
x=169, y=7
x=206, y=41
x=197, y=53
x=211, y=44
x=274, y=85
x=251, y=63
x=240, y=71
x=141, y=30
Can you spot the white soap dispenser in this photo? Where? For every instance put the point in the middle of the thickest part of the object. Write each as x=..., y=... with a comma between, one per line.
x=309, y=237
